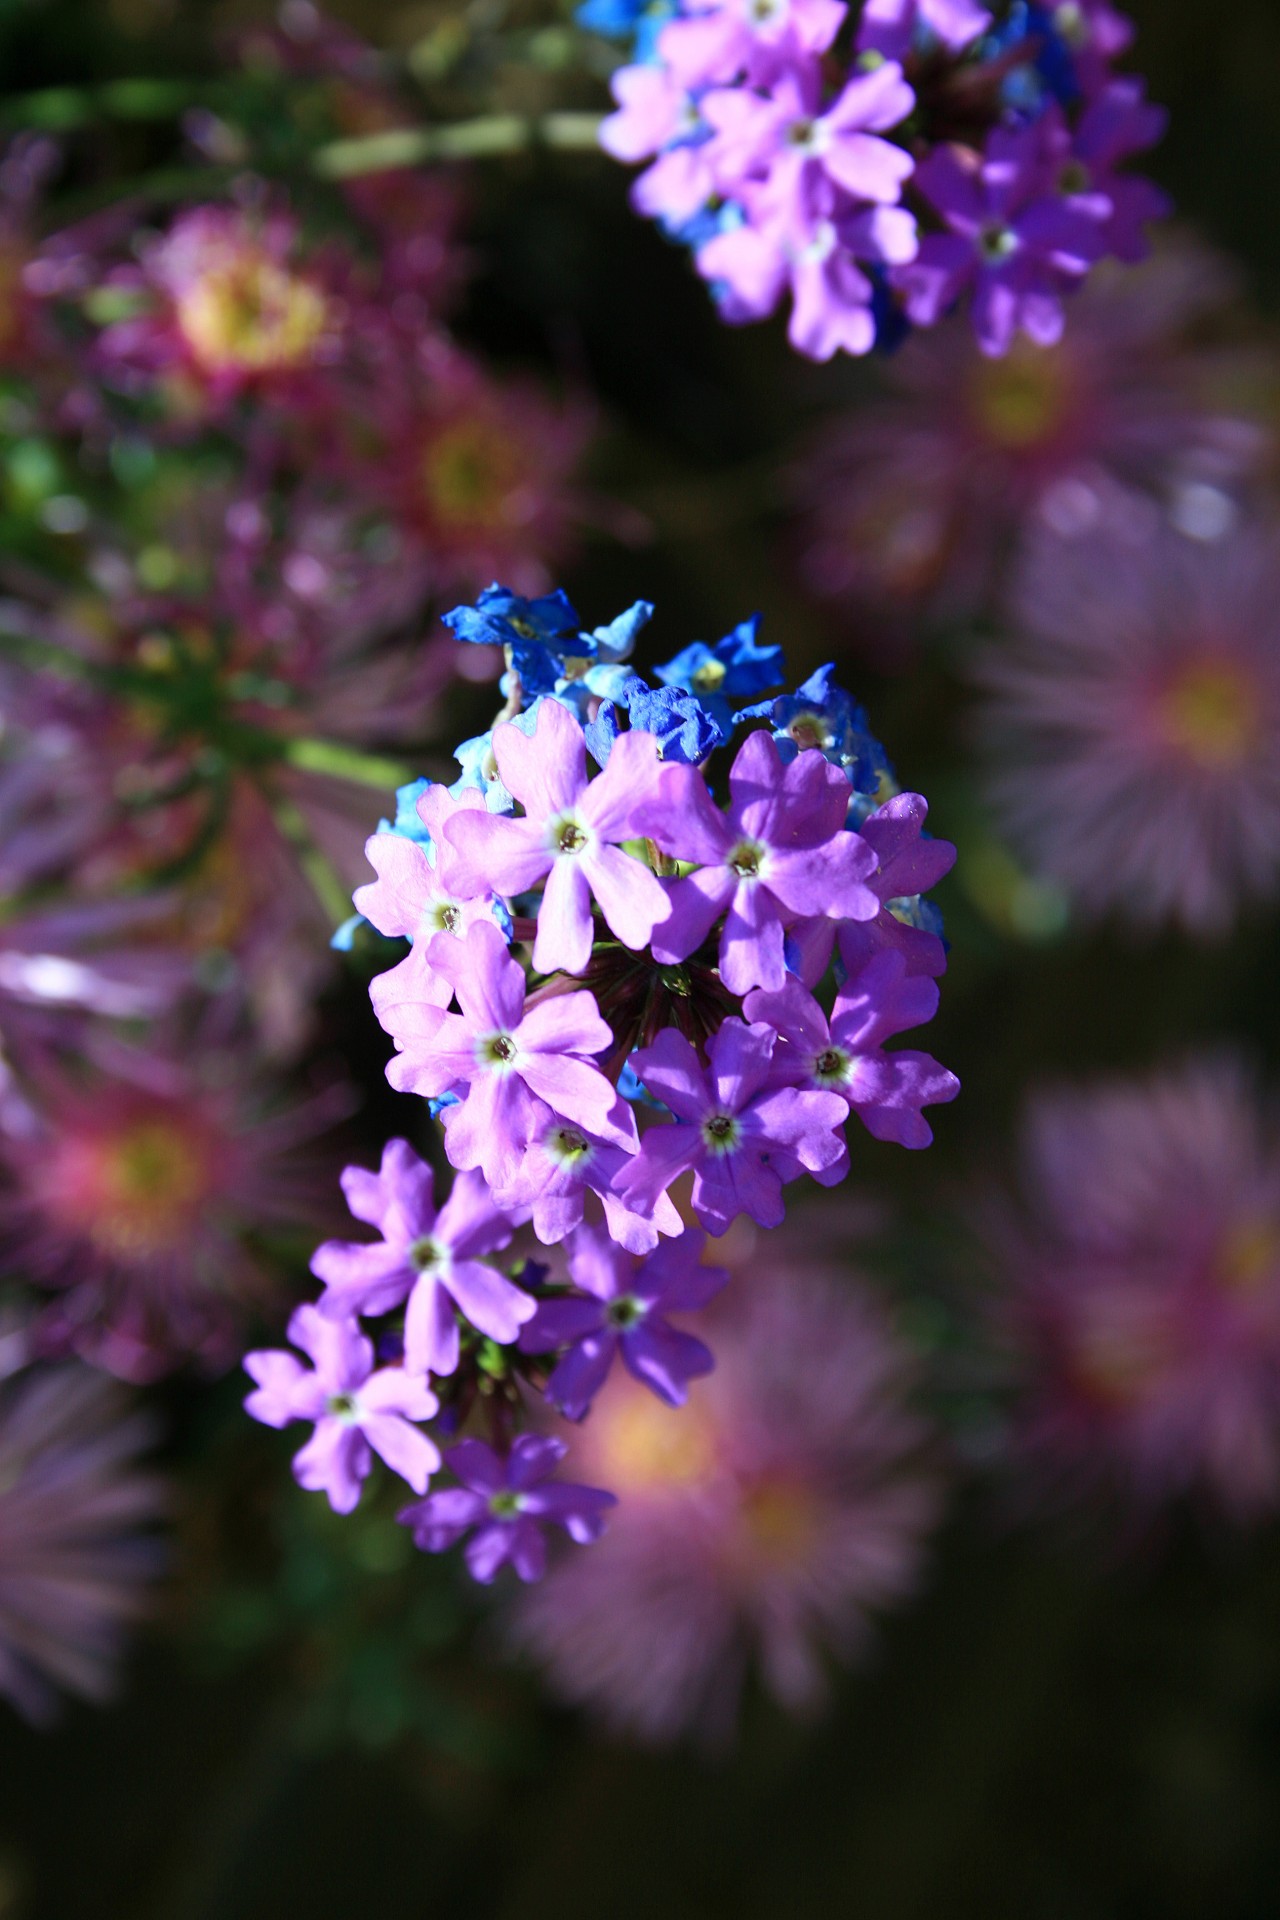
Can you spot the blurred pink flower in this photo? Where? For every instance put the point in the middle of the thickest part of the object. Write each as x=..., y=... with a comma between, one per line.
x=75, y=1561
x=134, y=1185
x=1133, y=716
x=910, y=503
x=1140, y=1298
x=771, y=1516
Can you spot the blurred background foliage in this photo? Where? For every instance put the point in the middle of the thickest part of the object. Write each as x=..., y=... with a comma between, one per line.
x=318, y=1723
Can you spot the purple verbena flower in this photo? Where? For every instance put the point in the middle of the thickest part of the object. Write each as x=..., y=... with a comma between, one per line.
x=908, y=863
x=570, y=833
x=741, y=1136
x=779, y=854
x=503, y=1057
x=357, y=1411
x=888, y=27
x=507, y=1502
x=427, y=1256
x=561, y=1165
x=716, y=43
x=885, y=1090
x=621, y=1306
x=1012, y=240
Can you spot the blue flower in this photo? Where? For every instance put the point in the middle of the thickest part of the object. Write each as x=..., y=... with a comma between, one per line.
x=622, y=19
x=821, y=714
x=408, y=821
x=505, y=619
x=1050, y=70
x=617, y=640
x=735, y=667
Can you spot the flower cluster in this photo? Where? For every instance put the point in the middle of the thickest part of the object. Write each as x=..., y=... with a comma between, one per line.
x=880, y=163
x=630, y=997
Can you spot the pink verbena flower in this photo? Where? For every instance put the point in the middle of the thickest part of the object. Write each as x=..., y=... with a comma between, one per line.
x=503, y=1058
x=742, y=1136
x=620, y=1307
x=1139, y=1308
x=1133, y=720
x=774, y=1516
x=428, y=1258
x=722, y=39
x=560, y=1165
x=505, y=1503
x=569, y=837
x=357, y=1411
x=780, y=853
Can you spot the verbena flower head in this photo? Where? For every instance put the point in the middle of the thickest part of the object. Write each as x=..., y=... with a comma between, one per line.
x=776, y=1514
x=586, y=909
x=76, y=1552
x=1133, y=717
x=1139, y=1302
x=782, y=139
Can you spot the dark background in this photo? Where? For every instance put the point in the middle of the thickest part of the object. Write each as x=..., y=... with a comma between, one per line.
x=1052, y=1730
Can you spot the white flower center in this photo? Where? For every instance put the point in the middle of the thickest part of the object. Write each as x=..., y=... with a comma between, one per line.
x=497, y=1052
x=567, y=833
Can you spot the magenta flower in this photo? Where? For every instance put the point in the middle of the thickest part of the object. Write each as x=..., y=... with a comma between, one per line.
x=357, y=1412
x=503, y=1057
x=507, y=1502
x=742, y=1136
x=426, y=1256
x=561, y=1165
x=570, y=833
x=621, y=1306
x=779, y=854
x=1012, y=239
x=885, y=1090
x=409, y=898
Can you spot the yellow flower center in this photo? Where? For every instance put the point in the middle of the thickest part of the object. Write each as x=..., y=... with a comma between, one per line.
x=1209, y=711
x=248, y=314
x=1021, y=401
x=469, y=472
x=135, y=1193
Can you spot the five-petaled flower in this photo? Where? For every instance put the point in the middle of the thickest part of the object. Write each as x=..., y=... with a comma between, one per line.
x=504, y=1502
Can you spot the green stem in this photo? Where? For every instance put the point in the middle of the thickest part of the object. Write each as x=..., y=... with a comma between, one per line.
x=491, y=134
x=347, y=763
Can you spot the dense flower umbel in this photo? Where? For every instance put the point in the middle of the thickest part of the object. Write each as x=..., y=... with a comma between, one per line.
x=1139, y=1305
x=879, y=161
x=571, y=1005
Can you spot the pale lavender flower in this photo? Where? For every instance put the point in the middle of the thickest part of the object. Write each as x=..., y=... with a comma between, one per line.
x=357, y=1411
x=561, y=1165
x=570, y=834
x=1133, y=718
x=742, y=1136
x=847, y=1056
x=621, y=1307
x=779, y=854
x=427, y=1256
x=409, y=898
x=772, y=1517
x=75, y=1561
x=502, y=1056
x=715, y=43
x=505, y=1503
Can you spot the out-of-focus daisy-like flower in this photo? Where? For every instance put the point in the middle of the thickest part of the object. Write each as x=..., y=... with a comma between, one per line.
x=474, y=471
x=220, y=306
x=134, y=1189
x=909, y=504
x=75, y=1556
x=1133, y=716
x=770, y=1517
x=1140, y=1301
